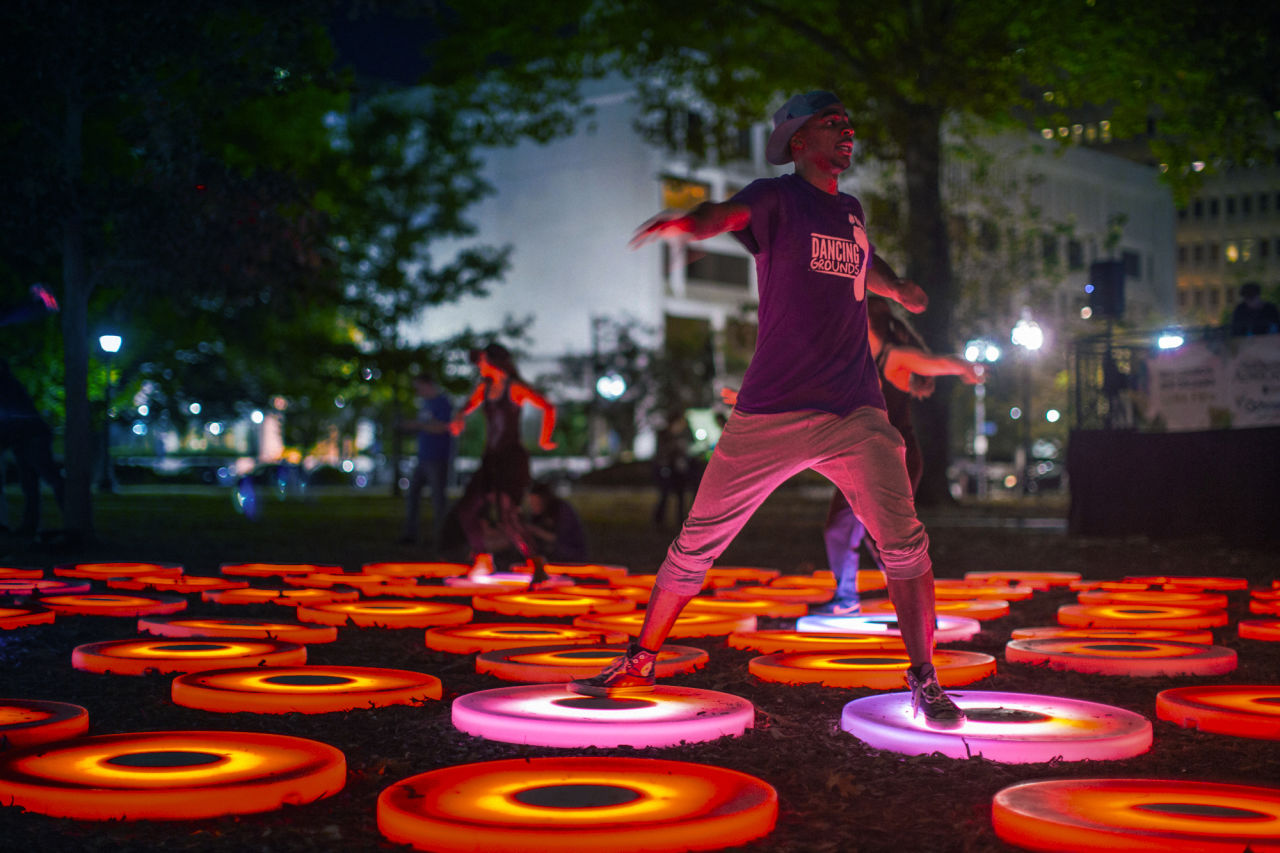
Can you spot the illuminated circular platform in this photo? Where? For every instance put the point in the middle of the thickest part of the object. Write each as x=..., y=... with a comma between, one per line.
x=1139, y=616
x=1267, y=630
x=770, y=609
x=386, y=613
x=686, y=625
x=303, y=689
x=491, y=636
x=274, y=570
x=982, y=610
x=1182, y=635
x=170, y=775
x=719, y=575
x=30, y=722
x=267, y=629
x=175, y=583
x=552, y=664
x=282, y=597
x=823, y=580
x=637, y=594
x=1262, y=607
x=797, y=594
x=768, y=642
x=103, y=604
x=959, y=591
x=1207, y=600
x=103, y=571
x=21, y=617
x=149, y=657
x=613, y=574
x=495, y=582
x=578, y=805
x=1011, y=728
x=1242, y=710
x=19, y=573
x=416, y=570
x=1144, y=658
x=1094, y=815
x=549, y=603
x=549, y=715
x=948, y=629
x=1117, y=586
x=881, y=669
x=15, y=587
x=1039, y=580
x=330, y=580
x=1197, y=581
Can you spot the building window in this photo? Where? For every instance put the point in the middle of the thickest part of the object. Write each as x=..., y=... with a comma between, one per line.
x=1231, y=205
x=1182, y=298
x=1213, y=299
x=1075, y=254
x=681, y=194
x=1263, y=198
x=1182, y=253
x=1132, y=264
x=1197, y=298
x=1264, y=248
x=1049, y=250
x=1197, y=208
x=1231, y=252
x=1246, y=205
x=1213, y=208
x=1198, y=253
x=717, y=268
x=1213, y=253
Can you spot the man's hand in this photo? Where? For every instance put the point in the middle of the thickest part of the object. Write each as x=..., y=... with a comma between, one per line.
x=912, y=296
x=729, y=396
x=673, y=225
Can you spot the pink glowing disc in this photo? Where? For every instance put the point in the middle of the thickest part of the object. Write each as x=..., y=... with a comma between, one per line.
x=1139, y=616
x=687, y=624
x=948, y=629
x=386, y=613
x=982, y=610
x=1146, y=658
x=1010, y=728
x=551, y=664
x=29, y=722
x=1182, y=635
x=549, y=715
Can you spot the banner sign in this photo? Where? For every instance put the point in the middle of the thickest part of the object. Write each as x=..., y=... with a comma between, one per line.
x=1220, y=385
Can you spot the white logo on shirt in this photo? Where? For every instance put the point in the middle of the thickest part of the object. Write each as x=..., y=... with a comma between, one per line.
x=842, y=256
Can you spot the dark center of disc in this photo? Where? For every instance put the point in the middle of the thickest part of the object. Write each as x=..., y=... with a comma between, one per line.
x=1004, y=715
x=589, y=654
x=1268, y=700
x=526, y=633
x=577, y=796
x=1141, y=610
x=1120, y=647
x=866, y=661
x=190, y=647
x=308, y=680
x=1201, y=810
x=602, y=703
x=165, y=759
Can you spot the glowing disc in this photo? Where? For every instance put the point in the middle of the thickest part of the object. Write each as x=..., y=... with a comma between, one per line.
x=302, y=689
x=549, y=604
x=947, y=629
x=613, y=574
x=149, y=657
x=90, y=604
x=1040, y=580
x=487, y=637
x=1090, y=815
x=687, y=624
x=283, y=597
x=1117, y=586
x=1139, y=615
x=291, y=632
x=1264, y=607
x=551, y=664
x=1243, y=710
x=748, y=606
x=273, y=570
x=637, y=594
x=878, y=669
x=495, y=582
x=578, y=805
x=170, y=775
x=1011, y=728
x=21, y=617
x=768, y=642
x=973, y=609
x=15, y=587
x=822, y=580
x=1215, y=583
x=730, y=575
x=18, y=573
x=386, y=613
x=176, y=583
x=29, y=722
x=549, y=715
x=328, y=580
x=1123, y=657
x=1204, y=638
x=959, y=591
x=416, y=570
x=103, y=571
x=1207, y=600
x=1267, y=630
x=799, y=594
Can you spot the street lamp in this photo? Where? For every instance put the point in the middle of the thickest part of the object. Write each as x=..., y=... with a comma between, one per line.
x=984, y=351
x=1028, y=335
x=110, y=345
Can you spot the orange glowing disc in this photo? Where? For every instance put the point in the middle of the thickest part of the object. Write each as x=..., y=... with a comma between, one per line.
x=170, y=775
x=1207, y=600
x=175, y=583
x=770, y=609
x=578, y=805
x=1089, y=815
x=1182, y=635
x=718, y=575
x=90, y=604
x=271, y=570
x=1127, y=657
x=822, y=580
x=1242, y=710
x=1215, y=583
x=1039, y=580
x=408, y=588
x=386, y=613
x=944, y=590
x=1264, y=607
x=549, y=604
x=327, y=580
x=151, y=657
x=1139, y=615
x=1265, y=594
x=416, y=570
x=1115, y=586
x=35, y=586
x=553, y=664
x=768, y=642
x=974, y=609
x=630, y=593
x=878, y=669
x=30, y=722
x=1267, y=630
x=283, y=597
x=687, y=624
x=504, y=582
x=613, y=574
x=20, y=617
x=103, y=571
x=291, y=632
x=17, y=573
x=798, y=594
x=302, y=689
x=486, y=637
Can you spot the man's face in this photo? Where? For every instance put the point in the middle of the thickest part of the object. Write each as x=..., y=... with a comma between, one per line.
x=826, y=139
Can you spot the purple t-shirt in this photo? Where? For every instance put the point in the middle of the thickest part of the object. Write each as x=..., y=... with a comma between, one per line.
x=812, y=257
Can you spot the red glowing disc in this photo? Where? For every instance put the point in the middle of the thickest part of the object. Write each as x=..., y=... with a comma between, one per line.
x=150, y=657
x=551, y=664
x=638, y=594
x=176, y=583
x=14, y=587
x=103, y=571
x=944, y=590
x=768, y=642
x=687, y=624
x=1089, y=815
x=170, y=775
x=328, y=580
x=416, y=570
x=17, y=573
x=386, y=613
x=1242, y=710
x=1123, y=657
x=719, y=576
x=767, y=608
x=1215, y=583
x=21, y=617
x=613, y=574
x=877, y=669
x=973, y=609
x=1204, y=638
x=578, y=805
x=549, y=603
x=90, y=604
x=799, y=594
x=1115, y=586
x=1139, y=615
x=30, y=722
x=283, y=597
x=487, y=637
x=1039, y=580
x=302, y=689
x=273, y=570
x=1264, y=607
x=822, y=580
x=1207, y=600
x=1267, y=630
x=291, y=632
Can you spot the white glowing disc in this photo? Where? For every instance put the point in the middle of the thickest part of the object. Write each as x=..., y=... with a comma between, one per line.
x=1011, y=728
x=949, y=628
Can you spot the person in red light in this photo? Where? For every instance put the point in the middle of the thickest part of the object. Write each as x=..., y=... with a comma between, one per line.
x=811, y=396
x=499, y=484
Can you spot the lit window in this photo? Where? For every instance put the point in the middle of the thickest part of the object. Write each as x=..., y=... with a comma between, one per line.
x=1104, y=130
x=1091, y=132
x=1047, y=133
x=680, y=194
x=1232, y=253
x=1064, y=131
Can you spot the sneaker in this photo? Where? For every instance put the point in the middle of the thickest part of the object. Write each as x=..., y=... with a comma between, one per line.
x=630, y=674
x=927, y=695
x=838, y=608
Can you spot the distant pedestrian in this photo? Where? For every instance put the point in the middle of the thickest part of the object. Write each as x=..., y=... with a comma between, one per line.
x=672, y=468
x=1254, y=315
x=28, y=436
x=554, y=526
x=434, y=461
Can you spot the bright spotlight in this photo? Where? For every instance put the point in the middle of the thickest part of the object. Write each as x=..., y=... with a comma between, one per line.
x=611, y=386
x=1052, y=416
x=1170, y=339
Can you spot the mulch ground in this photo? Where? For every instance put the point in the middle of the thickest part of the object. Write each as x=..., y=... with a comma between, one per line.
x=835, y=793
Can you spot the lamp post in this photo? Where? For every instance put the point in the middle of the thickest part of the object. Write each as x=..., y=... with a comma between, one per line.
x=983, y=351
x=110, y=345
x=1028, y=335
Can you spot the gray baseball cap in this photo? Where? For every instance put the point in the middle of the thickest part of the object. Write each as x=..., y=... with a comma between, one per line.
x=788, y=119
